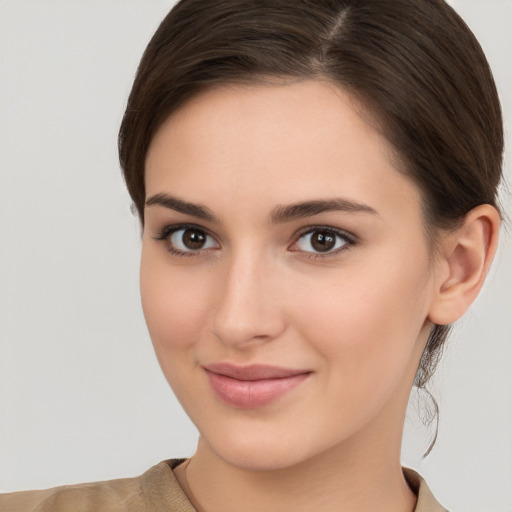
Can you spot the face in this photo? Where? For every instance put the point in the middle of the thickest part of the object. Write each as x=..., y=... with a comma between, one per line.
x=285, y=274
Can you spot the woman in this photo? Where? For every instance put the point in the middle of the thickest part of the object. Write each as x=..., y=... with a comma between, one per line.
x=316, y=183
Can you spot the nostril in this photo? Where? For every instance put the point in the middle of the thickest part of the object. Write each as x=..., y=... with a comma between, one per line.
x=239, y=336
x=247, y=328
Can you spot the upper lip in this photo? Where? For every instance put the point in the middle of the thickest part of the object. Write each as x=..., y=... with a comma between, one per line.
x=253, y=371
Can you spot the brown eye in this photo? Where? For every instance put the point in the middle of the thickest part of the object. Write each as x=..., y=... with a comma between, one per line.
x=193, y=239
x=322, y=240
x=186, y=240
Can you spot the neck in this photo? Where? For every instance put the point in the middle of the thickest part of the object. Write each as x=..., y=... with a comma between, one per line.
x=357, y=475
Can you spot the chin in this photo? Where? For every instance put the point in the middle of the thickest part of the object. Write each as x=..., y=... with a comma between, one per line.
x=258, y=453
x=260, y=460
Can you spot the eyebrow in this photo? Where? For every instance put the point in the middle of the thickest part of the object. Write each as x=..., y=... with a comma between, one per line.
x=280, y=214
x=173, y=203
x=290, y=212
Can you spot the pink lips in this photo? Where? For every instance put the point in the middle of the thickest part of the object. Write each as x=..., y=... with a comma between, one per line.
x=249, y=387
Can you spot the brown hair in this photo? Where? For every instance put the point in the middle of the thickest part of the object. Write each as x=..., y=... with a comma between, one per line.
x=414, y=64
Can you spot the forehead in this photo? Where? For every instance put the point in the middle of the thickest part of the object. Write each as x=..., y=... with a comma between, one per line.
x=274, y=144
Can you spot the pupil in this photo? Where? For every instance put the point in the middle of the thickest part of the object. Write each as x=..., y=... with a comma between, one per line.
x=323, y=241
x=193, y=239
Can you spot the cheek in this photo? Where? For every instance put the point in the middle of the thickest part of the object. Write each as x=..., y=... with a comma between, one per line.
x=170, y=301
x=175, y=318
x=366, y=319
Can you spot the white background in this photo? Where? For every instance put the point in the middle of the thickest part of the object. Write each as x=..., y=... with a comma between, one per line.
x=81, y=394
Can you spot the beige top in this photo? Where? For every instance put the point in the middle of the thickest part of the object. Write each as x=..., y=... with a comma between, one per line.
x=156, y=490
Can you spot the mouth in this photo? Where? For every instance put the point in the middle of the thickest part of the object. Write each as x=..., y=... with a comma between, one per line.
x=250, y=387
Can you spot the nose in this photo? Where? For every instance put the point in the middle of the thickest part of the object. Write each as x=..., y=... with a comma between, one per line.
x=249, y=308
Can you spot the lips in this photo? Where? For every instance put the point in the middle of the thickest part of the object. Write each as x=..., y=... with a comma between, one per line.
x=250, y=387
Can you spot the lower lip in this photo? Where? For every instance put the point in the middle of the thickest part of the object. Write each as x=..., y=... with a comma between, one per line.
x=250, y=394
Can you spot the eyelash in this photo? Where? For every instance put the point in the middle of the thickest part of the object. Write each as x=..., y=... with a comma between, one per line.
x=348, y=239
x=165, y=234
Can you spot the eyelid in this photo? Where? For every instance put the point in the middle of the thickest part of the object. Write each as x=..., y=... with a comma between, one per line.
x=164, y=234
x=349, y=238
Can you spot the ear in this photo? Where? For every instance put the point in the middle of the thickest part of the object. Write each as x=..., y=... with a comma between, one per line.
x=465, y=256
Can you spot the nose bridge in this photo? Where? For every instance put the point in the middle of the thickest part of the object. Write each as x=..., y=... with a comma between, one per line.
x=248, y=308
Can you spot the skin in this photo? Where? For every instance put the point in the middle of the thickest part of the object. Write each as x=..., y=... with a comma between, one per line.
x=356, y=318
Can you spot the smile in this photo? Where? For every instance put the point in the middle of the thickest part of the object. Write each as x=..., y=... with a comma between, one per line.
x=250, y=387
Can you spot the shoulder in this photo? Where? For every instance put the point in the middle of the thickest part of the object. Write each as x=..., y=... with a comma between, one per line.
x=157, y=489
x=426, y=500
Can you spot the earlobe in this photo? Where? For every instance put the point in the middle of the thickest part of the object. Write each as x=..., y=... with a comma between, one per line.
x=464, y=259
